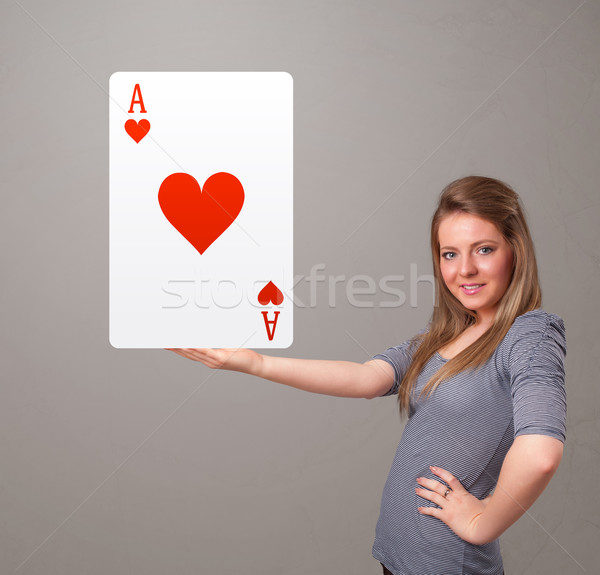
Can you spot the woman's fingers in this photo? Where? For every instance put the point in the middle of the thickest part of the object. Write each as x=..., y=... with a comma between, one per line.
x=210, y=357
x=432, y=484
x=432, y=496
x=177, y=351
x=458, y=509
x=433, y=511
x=435, y=491
x=452, y=482
x=202, y=355
x=225, y=358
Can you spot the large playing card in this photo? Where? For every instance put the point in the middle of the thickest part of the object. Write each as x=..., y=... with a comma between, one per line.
x=201, y=209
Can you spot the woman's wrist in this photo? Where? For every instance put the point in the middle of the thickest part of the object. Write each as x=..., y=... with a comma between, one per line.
x=486, y=525
x=257, y=365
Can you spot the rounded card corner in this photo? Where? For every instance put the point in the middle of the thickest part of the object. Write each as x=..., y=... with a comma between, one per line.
x=114, y=344
x=112, y=76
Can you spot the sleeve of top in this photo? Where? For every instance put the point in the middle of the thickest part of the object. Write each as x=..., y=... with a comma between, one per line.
x=399, y=358
x=537, y=375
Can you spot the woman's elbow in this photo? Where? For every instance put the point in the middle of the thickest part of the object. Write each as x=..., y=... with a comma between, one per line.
x=370, y=394
x=549, y=460
x=541, y=452
x=550, y=464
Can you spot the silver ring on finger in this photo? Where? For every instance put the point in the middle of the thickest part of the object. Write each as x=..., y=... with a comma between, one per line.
x=446, y=492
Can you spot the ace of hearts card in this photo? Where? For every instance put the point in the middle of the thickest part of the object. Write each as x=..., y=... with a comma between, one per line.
x=201, y=209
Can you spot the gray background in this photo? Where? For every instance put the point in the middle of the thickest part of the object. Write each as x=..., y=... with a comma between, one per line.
x=141, y=462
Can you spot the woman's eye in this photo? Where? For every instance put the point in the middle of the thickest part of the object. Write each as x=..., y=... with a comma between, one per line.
x=448, y=255
x=486, y=250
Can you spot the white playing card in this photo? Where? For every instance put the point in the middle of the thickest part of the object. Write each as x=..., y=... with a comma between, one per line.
x=201, y=209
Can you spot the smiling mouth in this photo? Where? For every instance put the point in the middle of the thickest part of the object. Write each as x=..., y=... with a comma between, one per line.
x=471, y=289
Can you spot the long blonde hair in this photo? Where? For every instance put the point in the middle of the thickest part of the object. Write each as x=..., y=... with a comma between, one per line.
x=496, y=202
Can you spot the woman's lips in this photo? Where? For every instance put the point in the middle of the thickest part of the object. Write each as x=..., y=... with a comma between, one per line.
x=471, y=289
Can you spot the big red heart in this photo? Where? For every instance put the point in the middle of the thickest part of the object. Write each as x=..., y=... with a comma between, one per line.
x=137, y=130
x=270, y=294
x=201, y=216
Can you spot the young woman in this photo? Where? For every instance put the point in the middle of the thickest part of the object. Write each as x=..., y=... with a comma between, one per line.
x=482, y=385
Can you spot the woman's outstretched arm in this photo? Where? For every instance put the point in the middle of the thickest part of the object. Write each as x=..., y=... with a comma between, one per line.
x=338, y=378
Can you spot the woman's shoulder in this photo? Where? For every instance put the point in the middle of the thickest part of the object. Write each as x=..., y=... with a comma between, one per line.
x=535, y=321
x=533, y=329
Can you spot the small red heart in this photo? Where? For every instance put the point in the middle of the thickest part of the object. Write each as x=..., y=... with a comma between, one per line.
x=201, y=216
x=270, y=294
x=137, y=130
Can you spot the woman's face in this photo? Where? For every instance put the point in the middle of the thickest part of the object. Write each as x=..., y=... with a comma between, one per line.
x=476, y=262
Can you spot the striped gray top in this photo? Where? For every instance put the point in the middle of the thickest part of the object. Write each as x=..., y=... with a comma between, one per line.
x=467, y=426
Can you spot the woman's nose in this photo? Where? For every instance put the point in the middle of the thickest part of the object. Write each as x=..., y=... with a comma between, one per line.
x=468, y=267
